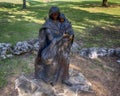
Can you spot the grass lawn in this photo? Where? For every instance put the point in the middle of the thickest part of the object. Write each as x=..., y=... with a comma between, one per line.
x=18, y=25
x=93, y=25
x=15, y=66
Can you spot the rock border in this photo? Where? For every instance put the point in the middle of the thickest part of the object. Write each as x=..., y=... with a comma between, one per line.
x=7, y=50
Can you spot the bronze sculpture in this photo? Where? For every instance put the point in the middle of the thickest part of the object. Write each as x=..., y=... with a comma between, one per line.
x=56, y=38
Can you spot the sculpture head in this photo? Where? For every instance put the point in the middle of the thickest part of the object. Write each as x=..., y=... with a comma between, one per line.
x=54, y=13
x=62, y=17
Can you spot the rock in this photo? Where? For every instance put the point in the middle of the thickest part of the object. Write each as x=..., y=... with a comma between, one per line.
x=32, y=87
x=102, y=52
x=5, y=49
x=89, y=52
x=9, y=56
x=3, y=56
x=36, y=45
x=111, y=52
x=118, y=61
x=28, y=86
x=22, y=47
x=80, y=83
x=117, y=52
x=93, y=53
x=84, y=52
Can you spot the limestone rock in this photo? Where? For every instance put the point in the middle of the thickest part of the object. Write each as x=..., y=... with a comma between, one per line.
x=111, y=52
x=117, y=52
x=84, y=52
x=32, y=87
x=80, y=83
x=5, y=50
x=93, y=53
x=22, y=47
x=29, y=86
x=102, y=52
x=118, y=61
x=36, y=45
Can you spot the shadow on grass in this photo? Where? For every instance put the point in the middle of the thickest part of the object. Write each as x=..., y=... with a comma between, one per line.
x=10, y=5
x=91, y=4
x=72, y=11
x=83, y=19
x=15, y=25
x=15, y=28
x=102, y=37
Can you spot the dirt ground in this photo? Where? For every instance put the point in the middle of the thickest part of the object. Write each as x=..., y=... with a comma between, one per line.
x=103, y=73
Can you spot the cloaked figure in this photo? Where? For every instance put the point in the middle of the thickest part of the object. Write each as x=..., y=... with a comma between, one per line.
x=52, y=61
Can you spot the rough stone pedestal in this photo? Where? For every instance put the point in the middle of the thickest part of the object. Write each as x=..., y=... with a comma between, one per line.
x=29, y=86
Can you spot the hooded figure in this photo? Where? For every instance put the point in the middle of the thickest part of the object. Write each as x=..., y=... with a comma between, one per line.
x=52, y=51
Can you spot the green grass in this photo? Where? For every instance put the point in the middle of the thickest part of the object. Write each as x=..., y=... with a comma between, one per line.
x=16, y=65
x=18, y=25
x=93, y=25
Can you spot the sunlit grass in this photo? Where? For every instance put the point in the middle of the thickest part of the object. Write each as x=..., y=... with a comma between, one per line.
x=12, y=1
x=109, y=10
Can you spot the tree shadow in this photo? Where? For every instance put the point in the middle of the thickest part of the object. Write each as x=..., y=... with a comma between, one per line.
x=9, y=5
x=15, y=25
x=69, y=8
x=90, y=4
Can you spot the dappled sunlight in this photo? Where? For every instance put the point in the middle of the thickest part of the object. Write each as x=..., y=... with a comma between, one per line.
x=5, y=10
x=12, y=1
x=99, y=10
x=38, y=21
x=80, y=27
x=97, y=14
x=103, y=10
x=21, y=12
x=80, y=58
x=73, y=66
x=32, y=19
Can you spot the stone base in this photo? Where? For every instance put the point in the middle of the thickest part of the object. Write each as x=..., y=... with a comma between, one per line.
x=29, y=86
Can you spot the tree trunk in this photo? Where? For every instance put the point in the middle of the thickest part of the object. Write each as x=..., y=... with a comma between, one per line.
x=105, y=3
x=24, y=4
